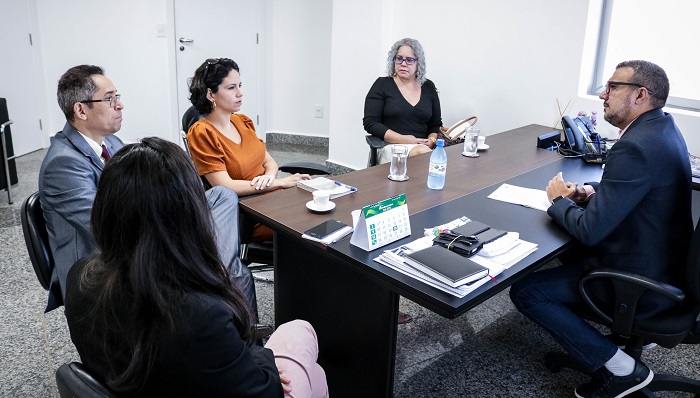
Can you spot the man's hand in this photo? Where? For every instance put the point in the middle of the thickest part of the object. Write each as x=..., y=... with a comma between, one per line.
x=557, y=187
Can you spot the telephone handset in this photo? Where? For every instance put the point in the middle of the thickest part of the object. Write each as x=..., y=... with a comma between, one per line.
x=582, y=139
x=578, y=132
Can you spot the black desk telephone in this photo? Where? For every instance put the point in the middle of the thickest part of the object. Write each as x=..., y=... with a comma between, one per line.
x=582, y=139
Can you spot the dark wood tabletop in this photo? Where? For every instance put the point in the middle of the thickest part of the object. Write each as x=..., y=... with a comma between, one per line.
x=286, y=210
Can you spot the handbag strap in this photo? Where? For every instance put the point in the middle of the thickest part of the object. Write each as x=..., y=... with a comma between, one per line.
x=461, y=122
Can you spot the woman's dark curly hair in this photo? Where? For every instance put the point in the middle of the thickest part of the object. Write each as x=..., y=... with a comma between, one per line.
x=209, y=75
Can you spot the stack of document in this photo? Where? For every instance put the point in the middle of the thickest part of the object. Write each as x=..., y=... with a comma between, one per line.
x=504, y=251
x=496, y=256
x=394, y=259
x=336, y=188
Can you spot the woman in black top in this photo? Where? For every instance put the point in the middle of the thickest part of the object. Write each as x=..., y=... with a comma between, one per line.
x=154, y=313
x=404, y=108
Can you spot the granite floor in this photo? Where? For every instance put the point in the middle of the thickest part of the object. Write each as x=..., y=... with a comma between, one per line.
x=492, y=351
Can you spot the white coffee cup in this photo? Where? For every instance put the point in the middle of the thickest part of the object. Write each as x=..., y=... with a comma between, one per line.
x=482, y=141
x=321, y=198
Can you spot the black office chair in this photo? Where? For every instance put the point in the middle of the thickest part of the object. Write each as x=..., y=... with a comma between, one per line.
x=37, y=239
x=668, y=329
x=75, y=380
x=251, y=252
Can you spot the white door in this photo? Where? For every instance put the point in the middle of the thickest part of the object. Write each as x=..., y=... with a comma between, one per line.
x=219, y=29
x=18, y=83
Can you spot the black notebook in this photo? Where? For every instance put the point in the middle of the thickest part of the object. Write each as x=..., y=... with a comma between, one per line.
x=471, y=228
x=446, y=266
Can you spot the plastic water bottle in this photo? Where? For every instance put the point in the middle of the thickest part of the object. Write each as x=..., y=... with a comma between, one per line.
x=438, y=166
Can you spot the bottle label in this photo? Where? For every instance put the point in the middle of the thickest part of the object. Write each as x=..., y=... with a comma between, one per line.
x=438, y=169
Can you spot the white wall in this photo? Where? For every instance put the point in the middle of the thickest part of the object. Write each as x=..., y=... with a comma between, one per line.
x=299, y=69
x=505, y=61
x=119, y=36
x=357, y=58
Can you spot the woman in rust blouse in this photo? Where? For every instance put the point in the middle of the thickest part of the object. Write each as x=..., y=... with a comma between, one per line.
x=223, y=144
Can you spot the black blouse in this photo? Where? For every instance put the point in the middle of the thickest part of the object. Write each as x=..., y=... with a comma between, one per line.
x=386, y=108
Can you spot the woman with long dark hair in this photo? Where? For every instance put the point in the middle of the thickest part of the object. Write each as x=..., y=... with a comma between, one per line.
x=154, y=313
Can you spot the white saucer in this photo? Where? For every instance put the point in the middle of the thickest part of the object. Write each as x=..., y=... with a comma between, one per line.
x=482, y=147
x=397, y=179
x=470, y=156
x=312, y=206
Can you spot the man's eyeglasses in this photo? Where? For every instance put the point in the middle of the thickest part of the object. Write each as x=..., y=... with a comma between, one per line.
x=398, y=60
x=210, y=61
x=112, y=100
x=611, y=85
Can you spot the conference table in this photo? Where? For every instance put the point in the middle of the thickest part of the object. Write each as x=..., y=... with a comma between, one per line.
x=352, y=301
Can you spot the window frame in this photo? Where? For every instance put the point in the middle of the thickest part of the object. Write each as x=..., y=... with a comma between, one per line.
x=598, y=76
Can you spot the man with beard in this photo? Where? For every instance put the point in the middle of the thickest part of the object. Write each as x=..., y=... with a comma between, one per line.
x=636, y=219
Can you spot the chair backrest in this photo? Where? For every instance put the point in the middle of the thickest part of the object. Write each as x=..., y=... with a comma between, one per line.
x=36, y=238
x=183, y=134
x=190, y=117
x=75, y=380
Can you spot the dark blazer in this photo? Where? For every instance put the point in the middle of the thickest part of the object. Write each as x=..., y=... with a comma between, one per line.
x=67, y=185
x=204, y=357
x=640, y=217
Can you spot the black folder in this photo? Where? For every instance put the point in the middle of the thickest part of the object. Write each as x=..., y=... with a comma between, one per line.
x=446, y=266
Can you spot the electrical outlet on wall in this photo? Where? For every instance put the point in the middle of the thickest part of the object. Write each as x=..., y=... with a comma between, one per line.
x=160, y=30
x=318, y=111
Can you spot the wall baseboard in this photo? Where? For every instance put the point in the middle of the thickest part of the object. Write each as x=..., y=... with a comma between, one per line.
x=298, y=139
x=338, y=169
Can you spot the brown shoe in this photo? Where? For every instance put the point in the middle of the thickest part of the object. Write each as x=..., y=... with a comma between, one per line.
x=404, y=318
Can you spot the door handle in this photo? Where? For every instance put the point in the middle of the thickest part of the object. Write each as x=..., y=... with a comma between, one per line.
x=183, y=40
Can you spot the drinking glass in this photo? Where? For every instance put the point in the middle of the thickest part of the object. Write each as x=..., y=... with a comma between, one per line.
x=397, y=170
x=471, y=142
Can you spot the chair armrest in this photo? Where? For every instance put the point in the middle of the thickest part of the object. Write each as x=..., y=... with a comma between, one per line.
x=305, y=168
x=374, y=142
x=628, y=288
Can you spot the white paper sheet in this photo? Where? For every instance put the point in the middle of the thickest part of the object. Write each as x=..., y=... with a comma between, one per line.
x=528, y=197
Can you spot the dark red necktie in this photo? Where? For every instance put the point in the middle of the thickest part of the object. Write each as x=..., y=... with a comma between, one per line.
x=105, y=153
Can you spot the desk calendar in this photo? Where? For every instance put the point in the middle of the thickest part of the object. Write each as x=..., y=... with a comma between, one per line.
x=382, y=223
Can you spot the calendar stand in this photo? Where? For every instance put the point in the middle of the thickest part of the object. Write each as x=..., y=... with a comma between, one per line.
x=382, y=223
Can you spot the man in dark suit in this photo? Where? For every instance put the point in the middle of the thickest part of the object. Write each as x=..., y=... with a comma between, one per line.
x=637, y=218
x=73, y=165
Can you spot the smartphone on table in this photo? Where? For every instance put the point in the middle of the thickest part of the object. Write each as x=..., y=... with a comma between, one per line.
x=325, y=228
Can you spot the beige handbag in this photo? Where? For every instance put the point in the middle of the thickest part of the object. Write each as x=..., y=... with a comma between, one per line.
x=453, y=135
